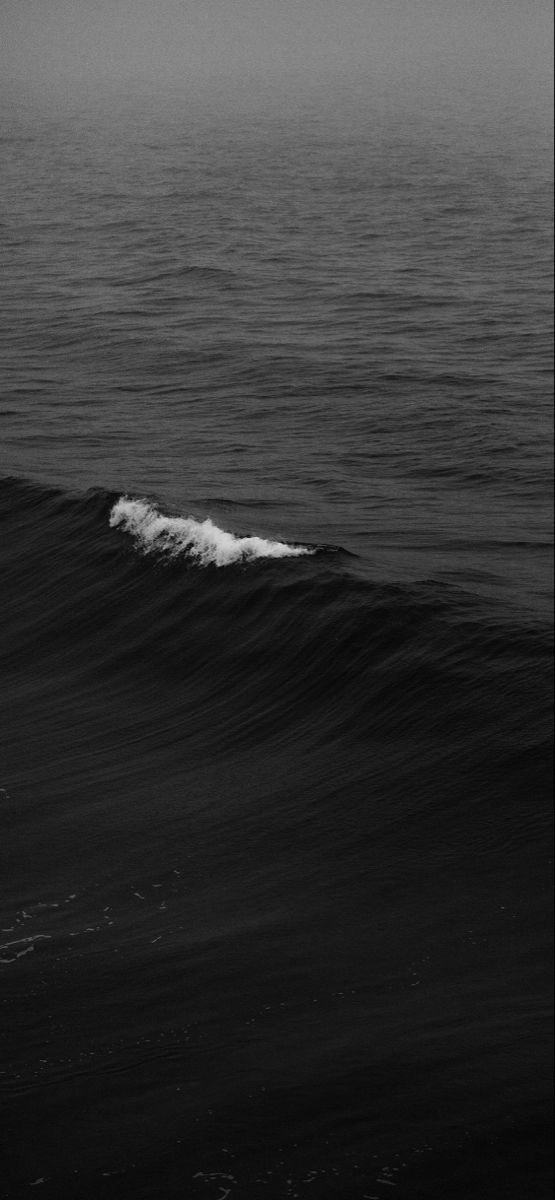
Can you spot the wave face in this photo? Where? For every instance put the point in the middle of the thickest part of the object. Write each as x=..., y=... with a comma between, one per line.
x=303, y=645
x=203, y=541
x=267, y=823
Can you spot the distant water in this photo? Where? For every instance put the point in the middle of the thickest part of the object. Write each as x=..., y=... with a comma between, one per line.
x=276, y=648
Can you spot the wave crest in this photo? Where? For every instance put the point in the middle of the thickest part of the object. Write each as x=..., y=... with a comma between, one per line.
x=202, y=540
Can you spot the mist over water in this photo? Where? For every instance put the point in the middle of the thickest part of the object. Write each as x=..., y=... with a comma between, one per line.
x=276, y=520
x=71, y=45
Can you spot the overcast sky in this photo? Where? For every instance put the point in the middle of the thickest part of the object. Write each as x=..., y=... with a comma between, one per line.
x=188, y=40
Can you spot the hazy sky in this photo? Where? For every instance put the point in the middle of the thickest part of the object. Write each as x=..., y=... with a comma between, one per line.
x=186, y=40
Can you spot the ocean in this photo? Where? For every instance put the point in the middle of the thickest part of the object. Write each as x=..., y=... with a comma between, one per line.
x=276, y=545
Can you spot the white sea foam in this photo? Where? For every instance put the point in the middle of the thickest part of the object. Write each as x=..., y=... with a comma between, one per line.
x=174, y=536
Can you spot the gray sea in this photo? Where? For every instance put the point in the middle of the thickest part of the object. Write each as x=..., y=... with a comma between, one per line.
x=275, y=499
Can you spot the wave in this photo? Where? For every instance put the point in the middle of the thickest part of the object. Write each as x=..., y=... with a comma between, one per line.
x=305, y=646
x=424, y=701
x=155, y=533
x=198, y=271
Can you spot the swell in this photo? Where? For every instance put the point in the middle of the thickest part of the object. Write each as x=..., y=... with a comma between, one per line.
x=285, y=645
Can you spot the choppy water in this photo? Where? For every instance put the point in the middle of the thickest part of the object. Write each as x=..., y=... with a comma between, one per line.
x=276, y=574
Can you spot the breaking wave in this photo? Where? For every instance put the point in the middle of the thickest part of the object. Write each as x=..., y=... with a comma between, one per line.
x=153, y=532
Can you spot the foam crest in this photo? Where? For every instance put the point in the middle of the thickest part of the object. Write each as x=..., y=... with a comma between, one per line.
x=202, y=540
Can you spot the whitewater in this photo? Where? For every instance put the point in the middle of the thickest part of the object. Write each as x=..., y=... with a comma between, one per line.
x=155, y=533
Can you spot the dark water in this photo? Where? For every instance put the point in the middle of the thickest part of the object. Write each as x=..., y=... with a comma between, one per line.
x=276, y=813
